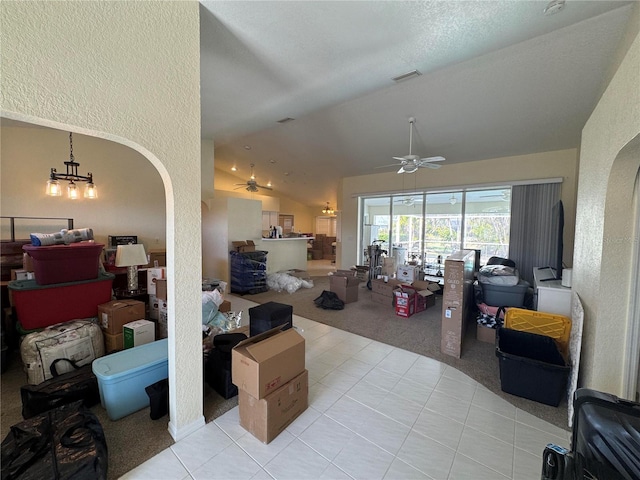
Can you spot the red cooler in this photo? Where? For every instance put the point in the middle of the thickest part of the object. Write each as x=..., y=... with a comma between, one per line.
x=65, y=263
x=38, y=306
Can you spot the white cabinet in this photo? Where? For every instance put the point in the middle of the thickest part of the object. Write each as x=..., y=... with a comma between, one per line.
x=551, y=296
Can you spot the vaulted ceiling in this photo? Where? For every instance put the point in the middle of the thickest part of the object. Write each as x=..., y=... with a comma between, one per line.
x=497, y=78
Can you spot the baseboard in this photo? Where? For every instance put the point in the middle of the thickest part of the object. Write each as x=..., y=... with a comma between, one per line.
x=179, y=434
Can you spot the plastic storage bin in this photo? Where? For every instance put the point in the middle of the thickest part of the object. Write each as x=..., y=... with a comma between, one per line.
x=552, y=325
x=123, y=377
x=248, y=272
x=65, y=263
x=38, y=306
x=505, y=296
x=531, y=366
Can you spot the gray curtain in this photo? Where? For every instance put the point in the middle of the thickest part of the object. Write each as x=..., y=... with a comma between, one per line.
x=534, y=227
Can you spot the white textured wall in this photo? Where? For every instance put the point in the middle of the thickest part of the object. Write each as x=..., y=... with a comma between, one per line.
x=562, y=163
x=127, y=72
x=609, y=163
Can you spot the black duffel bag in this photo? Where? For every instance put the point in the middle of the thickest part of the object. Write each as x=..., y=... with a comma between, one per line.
x=65, y=443
x=79, y=384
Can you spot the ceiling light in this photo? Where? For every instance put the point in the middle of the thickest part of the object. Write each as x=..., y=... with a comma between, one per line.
x=269, y=184
x=233, y=169
x=407, y=76
x=328, y=210
x=453, y=200
x=247, y=147
x=53, y=184
x=553, y=7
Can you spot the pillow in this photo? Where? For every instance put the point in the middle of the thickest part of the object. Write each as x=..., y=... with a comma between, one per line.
x=63, y=237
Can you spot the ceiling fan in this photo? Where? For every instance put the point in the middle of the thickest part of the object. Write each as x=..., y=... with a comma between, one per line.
x=504, y=196
x=251, y=184
x=410, y=163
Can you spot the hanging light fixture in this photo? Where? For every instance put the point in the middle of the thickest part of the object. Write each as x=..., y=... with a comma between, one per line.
x=53, y=184
x=328, y=210
x=453, y=199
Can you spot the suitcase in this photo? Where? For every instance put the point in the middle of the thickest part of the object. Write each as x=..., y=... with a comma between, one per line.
x=78, y=340
x=66, y=443
x=605, y=441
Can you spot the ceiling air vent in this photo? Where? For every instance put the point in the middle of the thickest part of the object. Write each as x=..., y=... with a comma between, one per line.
x=285, y=120
x=407, y=76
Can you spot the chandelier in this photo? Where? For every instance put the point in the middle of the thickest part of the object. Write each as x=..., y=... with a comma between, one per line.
x=328, y=210
x=53, y=184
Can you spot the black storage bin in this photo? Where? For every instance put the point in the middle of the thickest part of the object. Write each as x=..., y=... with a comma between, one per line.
x=248, y=272
x=269, y=315
x=217, y=369
x=531, y=366
x=605, y=440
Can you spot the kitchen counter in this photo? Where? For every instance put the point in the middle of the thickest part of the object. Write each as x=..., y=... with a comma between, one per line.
x=285, y=253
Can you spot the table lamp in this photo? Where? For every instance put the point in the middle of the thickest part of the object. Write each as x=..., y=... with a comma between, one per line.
x=131, y=256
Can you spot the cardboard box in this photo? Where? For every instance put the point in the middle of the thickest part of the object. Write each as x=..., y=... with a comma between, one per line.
x=162, y=327
x=154, y=304
x=263, y=363
x=244, y=246
x=138, y=333
x=19, y=274
x=113, y=343
x=161, y=289
x=407, y=273
x=115, y=314
x=409, y=300
x=153, y=275
x=426, y=285
x=385, y=288
x=266, y=418
x=457, y=298
x=225, y=306
x=485, y=334
x=157, y=258
x=345, y=286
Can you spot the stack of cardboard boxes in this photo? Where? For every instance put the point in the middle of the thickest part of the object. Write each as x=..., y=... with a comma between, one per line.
x=273, y=385
x=120, y=316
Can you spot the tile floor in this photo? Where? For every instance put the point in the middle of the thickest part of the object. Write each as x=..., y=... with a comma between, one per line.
x=375, y=412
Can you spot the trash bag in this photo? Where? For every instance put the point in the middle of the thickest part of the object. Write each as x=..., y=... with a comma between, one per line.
x=67, y=442
x=158, y=398
x=329, y=301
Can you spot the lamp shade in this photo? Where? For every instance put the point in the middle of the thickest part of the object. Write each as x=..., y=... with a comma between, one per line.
x=130, y=255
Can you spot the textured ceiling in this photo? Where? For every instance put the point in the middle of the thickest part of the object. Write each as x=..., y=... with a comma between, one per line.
x=498, y=79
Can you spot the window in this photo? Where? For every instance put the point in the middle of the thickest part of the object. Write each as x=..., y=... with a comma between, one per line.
x=422, y=227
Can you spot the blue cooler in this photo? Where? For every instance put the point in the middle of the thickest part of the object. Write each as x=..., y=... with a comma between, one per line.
x=123, y=377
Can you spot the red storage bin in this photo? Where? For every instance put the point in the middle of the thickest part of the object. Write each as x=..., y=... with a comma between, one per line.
x=65, y=263
x=38, y=306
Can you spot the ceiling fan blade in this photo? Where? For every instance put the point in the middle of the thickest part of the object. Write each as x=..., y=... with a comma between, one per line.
x=390, y=165
x=401, y=170
x=402, y=159
x=433, y=159
x=262, y=186
x=431, y=165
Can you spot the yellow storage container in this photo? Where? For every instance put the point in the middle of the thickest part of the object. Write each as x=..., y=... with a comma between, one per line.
x=552, y=325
